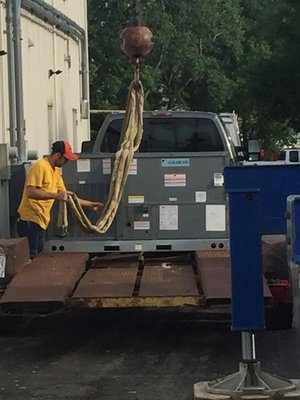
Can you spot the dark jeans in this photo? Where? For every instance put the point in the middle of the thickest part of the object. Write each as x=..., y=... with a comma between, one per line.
x=35, y=235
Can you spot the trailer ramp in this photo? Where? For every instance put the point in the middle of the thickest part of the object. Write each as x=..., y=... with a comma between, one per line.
x=44, y=283
x=215, y=274
x=125, y=281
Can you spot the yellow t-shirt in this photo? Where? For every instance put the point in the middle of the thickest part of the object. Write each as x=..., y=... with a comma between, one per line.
x=44, y=176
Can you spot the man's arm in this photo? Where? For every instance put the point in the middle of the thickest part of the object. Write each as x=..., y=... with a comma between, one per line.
x=36, y=193
x=93, y=205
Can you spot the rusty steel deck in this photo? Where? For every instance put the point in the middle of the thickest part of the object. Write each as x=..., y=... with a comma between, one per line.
x=165, y=279
x=120, y=281
x=214, y=271
x=215, y=275
x=48, y=278
x=107, y=282
x=155, y=285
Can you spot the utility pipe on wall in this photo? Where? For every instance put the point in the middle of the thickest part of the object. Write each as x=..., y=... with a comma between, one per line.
x=11, y=74
x=16, y=23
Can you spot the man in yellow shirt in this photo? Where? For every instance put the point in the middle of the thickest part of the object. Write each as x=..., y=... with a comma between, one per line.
x=44, y=184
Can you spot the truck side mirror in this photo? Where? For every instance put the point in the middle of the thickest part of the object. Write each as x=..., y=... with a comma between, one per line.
x=254, y=149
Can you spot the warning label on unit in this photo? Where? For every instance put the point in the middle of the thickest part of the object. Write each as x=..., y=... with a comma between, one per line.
x=172, y=180
x=200, y=197
x=136, y=199
x=84, y=165
x=215, y=217
x=106, y=166
x=218, y=179
x=133, y=167
x=168, y=218
x=141, y=225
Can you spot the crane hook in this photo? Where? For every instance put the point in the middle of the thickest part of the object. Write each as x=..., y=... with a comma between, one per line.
x=136, y=42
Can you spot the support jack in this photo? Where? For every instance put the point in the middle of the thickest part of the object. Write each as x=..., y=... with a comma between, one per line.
x=249, y=382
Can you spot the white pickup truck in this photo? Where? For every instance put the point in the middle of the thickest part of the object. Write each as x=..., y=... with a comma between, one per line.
x=290, y=156
x=286, y=156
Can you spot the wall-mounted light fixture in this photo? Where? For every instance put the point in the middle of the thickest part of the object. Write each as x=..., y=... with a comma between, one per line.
x=57, y=72
x=3, y=52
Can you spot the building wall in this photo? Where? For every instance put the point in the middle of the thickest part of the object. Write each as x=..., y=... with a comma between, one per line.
x=74, y=9
x=51, y=103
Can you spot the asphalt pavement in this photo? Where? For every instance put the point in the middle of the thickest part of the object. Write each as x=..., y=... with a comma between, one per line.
x=129, y=355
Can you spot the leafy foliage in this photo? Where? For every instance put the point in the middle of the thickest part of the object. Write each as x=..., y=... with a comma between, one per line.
x=215, y=55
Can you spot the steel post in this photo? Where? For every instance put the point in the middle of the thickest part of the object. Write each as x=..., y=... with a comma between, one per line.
x=4, y=190
x=17, y=38
x=248, y=346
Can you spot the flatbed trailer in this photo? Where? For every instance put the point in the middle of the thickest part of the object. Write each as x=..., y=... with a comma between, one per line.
x=70, y=281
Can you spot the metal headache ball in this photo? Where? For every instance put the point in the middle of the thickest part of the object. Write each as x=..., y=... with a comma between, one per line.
x=136, y=41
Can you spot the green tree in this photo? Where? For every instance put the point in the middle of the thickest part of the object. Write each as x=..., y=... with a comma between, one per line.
x=215, y=55
x=268, y=75
x=194, y=56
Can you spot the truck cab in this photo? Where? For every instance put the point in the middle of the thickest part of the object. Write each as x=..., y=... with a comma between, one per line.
x=169, y=131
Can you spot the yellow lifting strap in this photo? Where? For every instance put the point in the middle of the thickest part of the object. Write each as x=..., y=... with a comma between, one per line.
x=131, y=135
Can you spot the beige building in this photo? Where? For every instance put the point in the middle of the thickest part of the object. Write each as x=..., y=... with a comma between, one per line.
x=43, y=74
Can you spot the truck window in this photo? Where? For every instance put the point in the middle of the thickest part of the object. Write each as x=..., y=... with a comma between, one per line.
x=294, y=157
x=169, y=135
x=112, y=136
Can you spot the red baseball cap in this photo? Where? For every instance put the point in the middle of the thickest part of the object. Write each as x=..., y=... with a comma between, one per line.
x=65, y=149
x=68, y=152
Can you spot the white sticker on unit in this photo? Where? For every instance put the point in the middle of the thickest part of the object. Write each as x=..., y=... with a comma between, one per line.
x=168, y=218
x=81, y=182
x=138, y=247
x=106, y=166
x=172, y=198
x=136, y=199
x=218, y=179
x=215, y=218
x=2, y=265
x=200, y=197
x=141, y=225
x=83, y=165
x=133, y=167
x=175, y=180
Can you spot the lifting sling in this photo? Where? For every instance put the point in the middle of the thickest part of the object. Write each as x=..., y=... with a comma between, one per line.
x=131, y=135
x=136, y=43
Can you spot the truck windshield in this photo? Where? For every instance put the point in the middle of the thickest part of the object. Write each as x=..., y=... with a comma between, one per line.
x=169, y=135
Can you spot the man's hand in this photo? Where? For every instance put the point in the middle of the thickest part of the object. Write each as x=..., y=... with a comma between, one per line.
x=63, y=196
x=96, y=206
x=93, y=205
